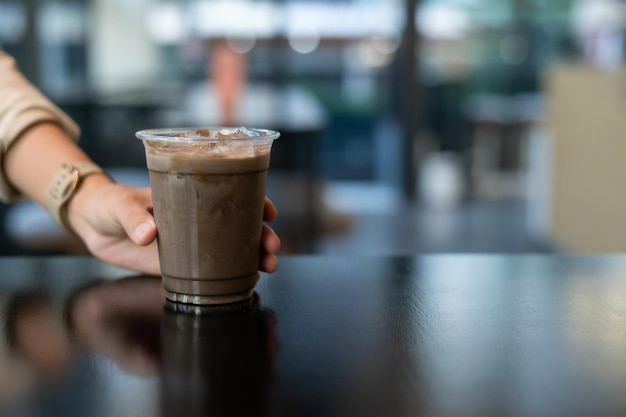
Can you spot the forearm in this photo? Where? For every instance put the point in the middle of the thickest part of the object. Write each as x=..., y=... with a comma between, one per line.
x=32, y=160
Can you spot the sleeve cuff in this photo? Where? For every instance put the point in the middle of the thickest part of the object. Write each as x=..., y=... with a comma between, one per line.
x=38, y=113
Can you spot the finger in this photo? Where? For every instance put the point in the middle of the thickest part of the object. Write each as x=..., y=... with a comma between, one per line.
x=269, y=263
x=144, y=232
x=143, y=259
x=270, y=241
x=133, y=214
x=270, y=212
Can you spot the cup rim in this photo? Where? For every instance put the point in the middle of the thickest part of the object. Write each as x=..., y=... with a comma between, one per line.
x=167, y=134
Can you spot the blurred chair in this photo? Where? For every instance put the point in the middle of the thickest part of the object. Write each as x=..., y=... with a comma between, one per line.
x=501, y=125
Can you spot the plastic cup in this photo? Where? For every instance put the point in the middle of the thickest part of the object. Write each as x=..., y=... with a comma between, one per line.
x=208, y=191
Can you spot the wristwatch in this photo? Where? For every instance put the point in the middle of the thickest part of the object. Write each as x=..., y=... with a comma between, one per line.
x=63, y=186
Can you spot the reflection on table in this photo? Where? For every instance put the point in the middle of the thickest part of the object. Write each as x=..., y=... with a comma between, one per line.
x=441, y=335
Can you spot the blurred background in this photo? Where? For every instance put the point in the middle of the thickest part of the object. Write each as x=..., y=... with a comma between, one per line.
x=409, y=126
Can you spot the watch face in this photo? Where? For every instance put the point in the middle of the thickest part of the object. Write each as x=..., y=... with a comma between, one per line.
x=66, y=182
x=70, y=186
x=64, y=185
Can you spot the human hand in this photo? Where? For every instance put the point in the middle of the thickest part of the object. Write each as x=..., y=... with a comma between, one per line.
x=116, y=224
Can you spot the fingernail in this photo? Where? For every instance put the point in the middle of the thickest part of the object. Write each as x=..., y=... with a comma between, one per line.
x=142, y=229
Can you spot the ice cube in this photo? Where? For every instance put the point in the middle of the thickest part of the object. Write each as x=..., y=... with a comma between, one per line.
x=237, y=133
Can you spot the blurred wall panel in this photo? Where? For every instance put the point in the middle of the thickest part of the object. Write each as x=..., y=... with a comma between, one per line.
x=122, y=55
x=587, y=119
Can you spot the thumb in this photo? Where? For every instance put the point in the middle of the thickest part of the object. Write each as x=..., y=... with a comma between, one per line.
x=135, y=217
x=144, y=232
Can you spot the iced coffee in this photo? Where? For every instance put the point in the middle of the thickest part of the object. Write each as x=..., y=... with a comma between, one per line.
x=208, y=191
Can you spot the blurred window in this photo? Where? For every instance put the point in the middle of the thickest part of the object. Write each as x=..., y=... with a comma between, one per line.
x=12, y=22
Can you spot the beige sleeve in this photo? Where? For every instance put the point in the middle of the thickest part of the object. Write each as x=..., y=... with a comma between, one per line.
x=21, y=106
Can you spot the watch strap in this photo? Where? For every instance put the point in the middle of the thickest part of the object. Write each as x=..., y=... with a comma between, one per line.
x=63, y=186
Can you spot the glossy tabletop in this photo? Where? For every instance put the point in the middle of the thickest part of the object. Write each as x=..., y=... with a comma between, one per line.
x=435, y=335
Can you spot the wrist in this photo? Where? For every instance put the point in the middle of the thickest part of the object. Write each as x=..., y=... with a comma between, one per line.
x=68, y=183
x=86, y=199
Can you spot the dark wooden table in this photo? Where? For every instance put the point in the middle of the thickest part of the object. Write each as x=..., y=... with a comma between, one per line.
x=441, y=335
